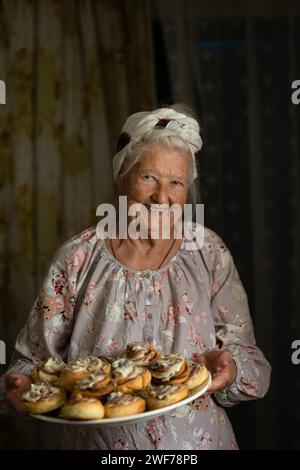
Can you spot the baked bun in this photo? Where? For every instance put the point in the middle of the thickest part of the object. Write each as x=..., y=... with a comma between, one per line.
x=128, y=377
x=159, y=396
x=94, y=386
x=198, y=375
x=119, y=404
x=81, y=368
x=82, y=408
x=142, y=354
x=170, y=369
x=48, y=371
x=43, y=398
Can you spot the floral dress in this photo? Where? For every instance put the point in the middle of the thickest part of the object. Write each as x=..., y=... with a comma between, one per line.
x=91, y=303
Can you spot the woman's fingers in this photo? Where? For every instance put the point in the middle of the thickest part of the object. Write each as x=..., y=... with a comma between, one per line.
x=201, y=359
x=12, y=381
x=17, y=381
x=220, y=380
x=222, y=368
x=16, y=384
x=13, y=399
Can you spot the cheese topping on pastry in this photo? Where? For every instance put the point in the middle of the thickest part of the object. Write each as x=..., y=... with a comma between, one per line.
x=83, y=364
x=138, y=350
x=125, y=369
x=161, y=392
x=39, y=391
x=90, y=381
x=136, y=372
x=142, y=354
x=122, y=368
x=53, y=365
x=166, y=367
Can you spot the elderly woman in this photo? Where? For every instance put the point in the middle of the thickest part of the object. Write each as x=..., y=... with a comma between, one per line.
x=99, y=295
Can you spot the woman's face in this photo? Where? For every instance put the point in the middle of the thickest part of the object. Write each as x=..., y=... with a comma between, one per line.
x=159, y=180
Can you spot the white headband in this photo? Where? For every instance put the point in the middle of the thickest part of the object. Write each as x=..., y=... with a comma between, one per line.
x=139, y=124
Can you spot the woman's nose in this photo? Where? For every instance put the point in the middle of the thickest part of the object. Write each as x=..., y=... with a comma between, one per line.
x=161, y=195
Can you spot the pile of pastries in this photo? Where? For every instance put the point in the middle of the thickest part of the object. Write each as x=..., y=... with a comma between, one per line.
x=90, y=387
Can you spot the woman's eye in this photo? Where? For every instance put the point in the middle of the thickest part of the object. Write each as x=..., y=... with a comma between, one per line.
x=147, y=178
x=177, y=183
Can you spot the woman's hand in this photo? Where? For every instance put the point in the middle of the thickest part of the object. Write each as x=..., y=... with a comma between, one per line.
x=222, y=367
x=16, y=384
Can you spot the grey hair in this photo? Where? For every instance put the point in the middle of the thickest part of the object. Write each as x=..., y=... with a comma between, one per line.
x=165, y=138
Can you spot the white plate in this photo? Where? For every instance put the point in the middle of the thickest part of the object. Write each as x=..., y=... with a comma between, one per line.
x=193, y=394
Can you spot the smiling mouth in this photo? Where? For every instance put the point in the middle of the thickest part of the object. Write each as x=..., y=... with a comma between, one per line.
x=158, y=208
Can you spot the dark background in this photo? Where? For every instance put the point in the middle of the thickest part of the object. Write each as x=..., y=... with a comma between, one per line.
x=233, y=63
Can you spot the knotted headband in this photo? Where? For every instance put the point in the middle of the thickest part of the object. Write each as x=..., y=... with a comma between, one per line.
x=140, y=124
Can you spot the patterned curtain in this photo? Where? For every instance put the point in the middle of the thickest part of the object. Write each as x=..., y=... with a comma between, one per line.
x=74, y=70
x=236, y=70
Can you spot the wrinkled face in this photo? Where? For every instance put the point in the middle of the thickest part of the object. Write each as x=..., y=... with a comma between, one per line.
x=159, y=180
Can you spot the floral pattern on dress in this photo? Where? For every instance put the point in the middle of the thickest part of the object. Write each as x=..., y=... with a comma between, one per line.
x=193, y=304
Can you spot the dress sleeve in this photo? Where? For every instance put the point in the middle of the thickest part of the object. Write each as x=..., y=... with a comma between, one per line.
x=47, y=330
x=234, y=332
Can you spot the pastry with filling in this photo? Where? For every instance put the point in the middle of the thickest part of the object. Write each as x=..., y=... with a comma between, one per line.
x=159, y=396
x=120, y=404
x=198, y=375
x=48, y=371
x=128, y=377
x=43, y=398
x=80, y=369
x=142, y=354
x=95, y=385
x=82, y=408
x=170, y=369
